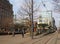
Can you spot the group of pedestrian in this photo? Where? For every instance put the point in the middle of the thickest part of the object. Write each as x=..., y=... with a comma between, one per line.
x=13, y=32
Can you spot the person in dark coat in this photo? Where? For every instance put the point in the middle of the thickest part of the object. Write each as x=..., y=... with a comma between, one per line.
x=23, y=32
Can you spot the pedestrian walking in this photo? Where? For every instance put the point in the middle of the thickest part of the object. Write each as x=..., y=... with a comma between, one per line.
x=39, y=30
x=23, y=32
x=58, y=30
x=8, y=32
x=13, y=32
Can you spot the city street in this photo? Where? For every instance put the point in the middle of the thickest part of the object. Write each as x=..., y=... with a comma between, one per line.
x=47, y=39
x=29, y=21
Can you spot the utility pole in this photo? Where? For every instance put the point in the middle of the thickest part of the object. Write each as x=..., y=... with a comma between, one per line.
x=15, y=18
x=32, y=25
x=13, y=29
x=51, y=18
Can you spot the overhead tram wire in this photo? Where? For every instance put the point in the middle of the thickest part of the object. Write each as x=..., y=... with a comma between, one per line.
x=52, y=2
x=46, y=8
x=44, y=4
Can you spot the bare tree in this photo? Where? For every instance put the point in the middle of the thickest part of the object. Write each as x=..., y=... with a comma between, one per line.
x=57, y=1
x=30, y=8
x=26, y=8
x=57, y=6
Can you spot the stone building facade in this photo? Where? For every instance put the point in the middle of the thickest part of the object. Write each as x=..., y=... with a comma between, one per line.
x=6, y=14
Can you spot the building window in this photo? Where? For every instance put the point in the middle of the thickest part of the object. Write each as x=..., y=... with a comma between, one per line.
x=40, y=20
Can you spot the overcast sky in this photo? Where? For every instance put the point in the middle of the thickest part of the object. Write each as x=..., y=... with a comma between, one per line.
x=16, y=4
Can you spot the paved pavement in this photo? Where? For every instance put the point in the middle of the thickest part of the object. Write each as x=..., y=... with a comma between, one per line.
x=48, y=39
x=9, y=39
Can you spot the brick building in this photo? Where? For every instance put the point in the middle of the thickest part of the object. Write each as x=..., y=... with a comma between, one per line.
x=6, y=14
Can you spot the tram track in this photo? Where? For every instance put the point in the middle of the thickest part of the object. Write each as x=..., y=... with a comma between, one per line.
x=51, y=38
x=56, y=38
x=42, y=39
x=25, y=42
